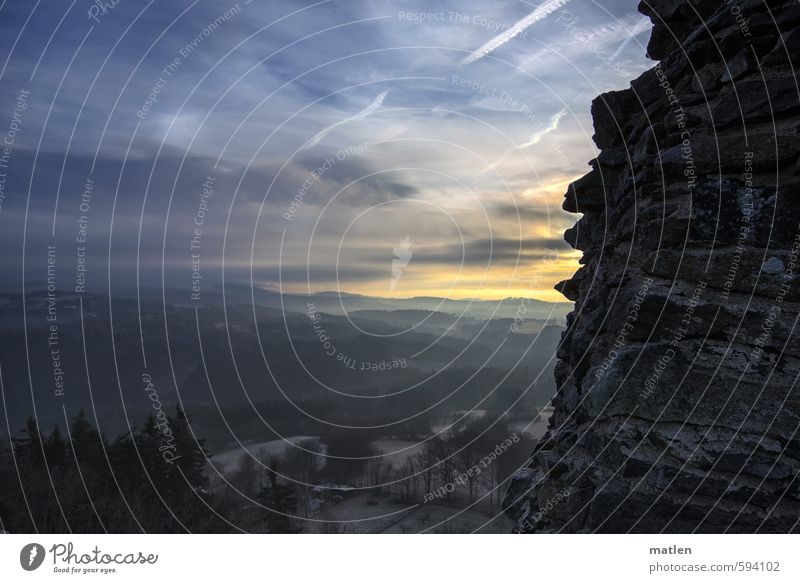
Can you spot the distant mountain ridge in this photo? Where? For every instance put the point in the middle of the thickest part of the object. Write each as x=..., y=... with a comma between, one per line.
x=343, y=303
x=346, y=303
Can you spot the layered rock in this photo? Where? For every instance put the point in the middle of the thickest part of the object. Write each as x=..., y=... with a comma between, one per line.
x=678, y=405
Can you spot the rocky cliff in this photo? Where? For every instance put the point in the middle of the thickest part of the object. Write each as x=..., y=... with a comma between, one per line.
x=678, y=406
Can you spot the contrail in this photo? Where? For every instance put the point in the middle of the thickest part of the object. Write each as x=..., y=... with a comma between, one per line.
x=541, y=12
x=622, y=46
x=371, y=108
x=535, y=139
x=572, y=47
x=390, y=134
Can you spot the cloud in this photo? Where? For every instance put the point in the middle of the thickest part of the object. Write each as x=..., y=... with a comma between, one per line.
x=490, y=252
x=354, y=182
x=525, y=213
x=540, y=13
x=228, y=103
x=576, y=44
x=317, y=273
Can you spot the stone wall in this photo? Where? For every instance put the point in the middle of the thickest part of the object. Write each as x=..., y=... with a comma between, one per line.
x=677, y=407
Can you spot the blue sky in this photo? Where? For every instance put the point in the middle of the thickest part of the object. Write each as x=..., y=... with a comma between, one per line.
x=331, y=130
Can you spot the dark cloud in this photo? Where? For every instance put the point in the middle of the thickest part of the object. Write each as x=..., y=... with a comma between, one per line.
x=497, y=251
x=526, y=213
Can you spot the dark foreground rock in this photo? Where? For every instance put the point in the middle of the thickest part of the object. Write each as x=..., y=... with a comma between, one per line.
x=678, y=407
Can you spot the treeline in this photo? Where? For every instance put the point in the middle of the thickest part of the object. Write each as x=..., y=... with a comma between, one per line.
x=464, y=468
x=456, y=467
x=151, y=479
x=156, y=478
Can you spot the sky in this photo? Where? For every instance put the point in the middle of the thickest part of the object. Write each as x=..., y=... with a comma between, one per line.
x=390, y=148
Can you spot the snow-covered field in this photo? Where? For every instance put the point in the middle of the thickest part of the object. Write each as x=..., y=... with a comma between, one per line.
x=370, y=514
x=228, y=461
x=432, y=518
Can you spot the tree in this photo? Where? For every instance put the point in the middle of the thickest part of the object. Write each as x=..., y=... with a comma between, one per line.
x=245, y=478
x=29, y=449
x=303, y=466
x=86, y=443
x=425, y=461
x=54, y=448
x=410, y=479
x=96, y=493
x=443, y=451
x=280, y=501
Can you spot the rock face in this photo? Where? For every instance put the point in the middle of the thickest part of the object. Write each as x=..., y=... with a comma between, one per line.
x=678, y=407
